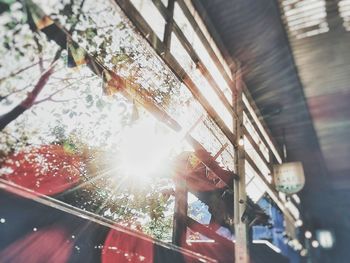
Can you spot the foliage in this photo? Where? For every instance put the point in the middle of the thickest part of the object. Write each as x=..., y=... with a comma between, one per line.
x=67, y=112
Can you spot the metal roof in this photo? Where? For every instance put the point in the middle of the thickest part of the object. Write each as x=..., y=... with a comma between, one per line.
x=301, y=84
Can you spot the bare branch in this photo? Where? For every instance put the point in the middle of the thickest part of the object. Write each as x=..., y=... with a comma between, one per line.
x=67, y=100
x=50, y=97
x=14, y=92
x=29, y=100
x=15, y=73
x=13, y=114
x=40, y=49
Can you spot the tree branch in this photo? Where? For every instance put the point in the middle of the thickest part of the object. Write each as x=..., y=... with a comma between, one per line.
x=40, y=49
x=19, y=71
x=13, y=114
x=29, y=100
x=14, y=92
x=50, y=97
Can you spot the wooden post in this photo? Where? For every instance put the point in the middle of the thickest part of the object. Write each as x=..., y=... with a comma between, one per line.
x=169, y=25
x=180, y=213
x=309, y=251
x=240, y=197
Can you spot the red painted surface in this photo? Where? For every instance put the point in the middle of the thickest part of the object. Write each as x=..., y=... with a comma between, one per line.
x=121, y=247
x=46, y=245
x=48, y=170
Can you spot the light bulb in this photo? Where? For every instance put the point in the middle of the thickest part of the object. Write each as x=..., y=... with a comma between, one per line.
x=298, y=223
x=315, y=244
x=308, y=234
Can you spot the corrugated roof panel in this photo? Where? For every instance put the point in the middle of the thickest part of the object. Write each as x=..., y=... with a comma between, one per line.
x=305, y=18
x=344, y=11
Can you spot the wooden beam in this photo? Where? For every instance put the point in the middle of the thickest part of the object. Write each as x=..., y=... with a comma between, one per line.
x=220, y=151
x=239, y=190
x=206, y=231
x=226, y=176
x=168, y=14
x=165, y=11
x=140, y=23
x=180, y=214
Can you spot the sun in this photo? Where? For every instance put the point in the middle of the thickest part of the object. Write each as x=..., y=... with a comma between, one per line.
x=145, y=149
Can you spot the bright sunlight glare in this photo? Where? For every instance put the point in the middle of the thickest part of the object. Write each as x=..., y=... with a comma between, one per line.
x=146, y=148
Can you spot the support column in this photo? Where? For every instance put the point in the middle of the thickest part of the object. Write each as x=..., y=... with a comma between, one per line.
x=240, y=197
x=169, y=25
x=309, y=251
x=180, y=213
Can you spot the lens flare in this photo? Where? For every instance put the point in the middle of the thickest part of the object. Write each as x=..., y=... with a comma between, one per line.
x=145, y=149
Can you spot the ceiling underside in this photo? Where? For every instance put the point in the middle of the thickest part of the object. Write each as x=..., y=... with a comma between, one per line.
x=302, y=89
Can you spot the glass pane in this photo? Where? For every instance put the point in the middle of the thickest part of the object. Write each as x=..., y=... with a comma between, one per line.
x=253, y=133
x=165, y=2
x=256, y=188
x=208, y=92
x=201, y=51
x=261, y=128
x=181, y=55
x=152, y=16
x=265, y=171
x=207, y=35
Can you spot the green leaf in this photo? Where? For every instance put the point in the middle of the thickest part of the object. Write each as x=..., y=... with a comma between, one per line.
x=72, y=114
x=88, y=98
x=100, y=104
